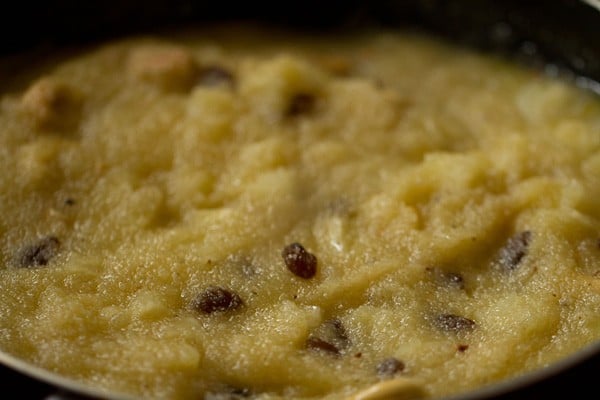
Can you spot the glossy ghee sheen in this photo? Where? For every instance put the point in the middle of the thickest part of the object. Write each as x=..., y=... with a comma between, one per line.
x=243, y=213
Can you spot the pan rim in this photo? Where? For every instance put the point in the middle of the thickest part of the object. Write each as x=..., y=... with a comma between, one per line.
x=504, y=387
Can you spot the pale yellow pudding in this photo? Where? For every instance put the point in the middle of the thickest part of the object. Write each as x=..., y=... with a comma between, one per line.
x=236, y=213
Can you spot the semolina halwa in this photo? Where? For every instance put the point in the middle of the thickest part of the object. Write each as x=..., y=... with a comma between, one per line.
x=242, y=213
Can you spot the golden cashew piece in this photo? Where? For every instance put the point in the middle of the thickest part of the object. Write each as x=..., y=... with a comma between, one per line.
x=395, y=389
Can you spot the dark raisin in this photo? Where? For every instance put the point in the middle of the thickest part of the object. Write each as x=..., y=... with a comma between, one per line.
x=330, y=336
x=69, y=202
x=390, y=367
x=301, y=104
x=315, y=343
x=514, y=250
x=215, y=75
x=215, y=299
x=462, y=348
x=40, y=253
x=454, y=323
x=334, y=330
x=299, y=261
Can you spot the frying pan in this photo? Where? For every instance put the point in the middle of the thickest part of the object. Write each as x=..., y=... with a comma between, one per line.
x=562, y=37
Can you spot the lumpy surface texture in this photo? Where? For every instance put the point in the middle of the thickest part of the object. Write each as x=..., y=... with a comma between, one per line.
x=239, y=213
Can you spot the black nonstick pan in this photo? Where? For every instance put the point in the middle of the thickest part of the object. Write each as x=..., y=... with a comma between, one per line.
x=559, y=37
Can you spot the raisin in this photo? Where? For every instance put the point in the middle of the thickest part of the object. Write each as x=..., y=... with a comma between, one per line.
x=462, y=348
x=69, y=201
x=390, y=367
x=299, y=261
x=330, y=337
x=215, y=299
x=454, y=323
x=334, y=330
x=315, y=343
x=40, y=253
x=215, y=75
x=514, y=250
x=301, y=104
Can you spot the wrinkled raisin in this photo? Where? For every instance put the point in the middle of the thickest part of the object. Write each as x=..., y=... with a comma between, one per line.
x=390, y=367
x=454, y=323
x=330, y=336
x=334, y=330
x=514, y=250
x=40, y=253
x=215, y=299
x=301, y=104
x=315, y=343
x=215, y=75
x=299, y=261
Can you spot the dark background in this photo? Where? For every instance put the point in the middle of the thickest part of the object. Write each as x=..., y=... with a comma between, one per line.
x=566, y=32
